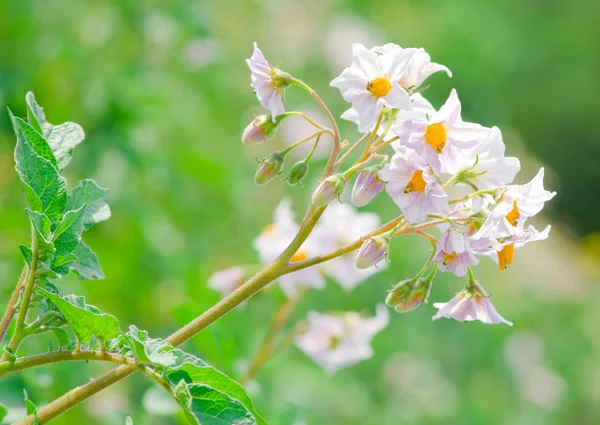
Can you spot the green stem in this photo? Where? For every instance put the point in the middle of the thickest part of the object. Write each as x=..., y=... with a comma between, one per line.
x=17, y=337
x=60, y=356
x=11, y=309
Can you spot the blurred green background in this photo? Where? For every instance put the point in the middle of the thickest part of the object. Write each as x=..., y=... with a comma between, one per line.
x=163, y=94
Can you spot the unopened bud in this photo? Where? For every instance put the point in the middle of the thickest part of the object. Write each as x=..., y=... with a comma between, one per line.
x=297, y=173
x=409, y=294
x=269, y=168
x=259, y=130
x=367, y=185
x=329, y=189
x=373, y=251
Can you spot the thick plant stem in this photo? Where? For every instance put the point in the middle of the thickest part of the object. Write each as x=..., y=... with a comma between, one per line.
x=263, y=278
x=11, y=308
x=60, y=356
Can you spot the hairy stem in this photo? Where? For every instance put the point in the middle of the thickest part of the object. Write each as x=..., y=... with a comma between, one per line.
x=18, y=335
x=11, y=308
x=60, y=356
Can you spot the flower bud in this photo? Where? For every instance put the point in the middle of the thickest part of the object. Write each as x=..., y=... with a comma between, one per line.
x=269, y=168
x=373, y=251
x=259, y=130
x=297, y=173
x=329, y=189
x=409, y=294
x=367, y=185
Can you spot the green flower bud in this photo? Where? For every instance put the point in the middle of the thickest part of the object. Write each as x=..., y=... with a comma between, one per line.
x=269, y=167
x=297, y=173
x=329, y=189
x=259, y=130
x=409, y=294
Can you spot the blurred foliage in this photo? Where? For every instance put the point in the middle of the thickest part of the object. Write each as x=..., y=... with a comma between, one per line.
x=162, y=92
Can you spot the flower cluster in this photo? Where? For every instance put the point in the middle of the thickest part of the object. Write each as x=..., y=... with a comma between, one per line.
x=443, y=173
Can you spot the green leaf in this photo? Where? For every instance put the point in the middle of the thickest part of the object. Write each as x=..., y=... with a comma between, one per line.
x=86, y=320
x=34, y=138
x=93, y=197
x=198, y=372
x=150, y=351
x=3, y=411
x=45, y=189
x=62, y=336
x=87, y=265
x=31, y=409
x=27, y=253
x=61, y=138
x=205, y=405
x=67, y=237
x=10, y=353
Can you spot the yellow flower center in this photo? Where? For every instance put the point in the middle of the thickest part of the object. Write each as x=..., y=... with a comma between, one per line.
x=448, y=258
x=435, y=135
x=299, y=256
x=505, y=256
x=379, y=87
x=514, y=215
x=269, y=229
x=416, y=183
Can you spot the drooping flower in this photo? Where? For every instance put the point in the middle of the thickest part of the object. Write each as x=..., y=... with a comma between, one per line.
x=371, y=83
x=442, y=138
x=418, y=67
x=269, y=83
x=276, y=237
x=337, y=341
x=367, y=185
x=339, y=226
x=259, y=130
x=453, y=252
x=413, y=186
x=227, y=281
x=517, y=203
x=410, y=293
x=473, y=303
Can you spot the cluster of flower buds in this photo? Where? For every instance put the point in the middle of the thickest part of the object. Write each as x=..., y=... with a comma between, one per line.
x=444, y=174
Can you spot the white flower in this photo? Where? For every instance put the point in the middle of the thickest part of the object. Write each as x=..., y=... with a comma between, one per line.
x=413, y=186
x=471, y=304
x=417, y=69
x=276, y=237
x=341, y=225
x=268, y=83
x=442, y=137
x=492, y=169
x=371, y=83
x=517, y=203
x=338, y=341
x=503, y=250
x=454, y=253
x=227, y=281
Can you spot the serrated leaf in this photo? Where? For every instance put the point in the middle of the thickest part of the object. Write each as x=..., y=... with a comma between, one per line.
x=208, y=406
x=94, y=197
x=87, y=265
x=87, y=322
x=199, y=372
x=45, y=189
x=151, y=351
x=61, y=138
